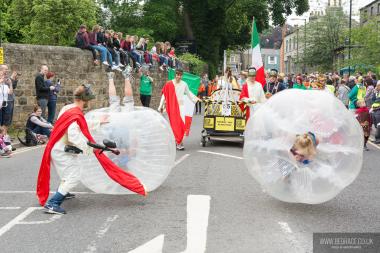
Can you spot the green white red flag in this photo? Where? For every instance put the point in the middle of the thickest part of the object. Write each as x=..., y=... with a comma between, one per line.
x=257, y=61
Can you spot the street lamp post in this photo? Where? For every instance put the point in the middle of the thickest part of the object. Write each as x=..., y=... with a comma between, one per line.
x=349, y=39
x=304, y=50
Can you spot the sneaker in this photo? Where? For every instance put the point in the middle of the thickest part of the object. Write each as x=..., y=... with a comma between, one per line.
x=13, y=149
x=114, y=67
x=110, y=75
x=54, y=209
x=121, y=65
x=69, y=196
x=5, y=155
x=127, y=71
x=180, y=147
x=119, y=69
x=366, y=148
x=105, y=63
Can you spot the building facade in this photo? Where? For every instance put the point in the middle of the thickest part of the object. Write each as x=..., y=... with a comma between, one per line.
x=370, y=11
x=271, y=58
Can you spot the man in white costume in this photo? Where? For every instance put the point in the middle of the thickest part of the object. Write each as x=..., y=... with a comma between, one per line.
x=252, y=92
x=173, y=100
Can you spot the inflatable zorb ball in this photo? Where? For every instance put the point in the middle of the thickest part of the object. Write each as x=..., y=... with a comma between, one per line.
x=146, y=144
x=271, y=132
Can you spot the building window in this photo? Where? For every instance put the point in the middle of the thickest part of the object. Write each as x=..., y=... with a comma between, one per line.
x=294, y=44
x=290, y=45
x=372, y=11
x=378, y=9
x=286, y=46
x=232, y=58
x=272, y=60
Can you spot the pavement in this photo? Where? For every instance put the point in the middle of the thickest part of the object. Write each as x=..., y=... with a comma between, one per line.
x=209, y=203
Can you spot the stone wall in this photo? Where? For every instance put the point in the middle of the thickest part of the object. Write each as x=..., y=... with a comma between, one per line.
x=73, y=67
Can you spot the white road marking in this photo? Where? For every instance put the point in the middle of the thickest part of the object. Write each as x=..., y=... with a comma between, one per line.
x=220, y=154
x=374, y=145
x=183, y=158
x=9, y=207
x=23, y=150
x=198, y=209
x=285, y=227
x=295, y=244
x=101, y=233
x=153, y=246
x=34, y=192
x=18, y=220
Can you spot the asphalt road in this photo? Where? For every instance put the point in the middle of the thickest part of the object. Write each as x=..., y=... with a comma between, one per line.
x=241, y=218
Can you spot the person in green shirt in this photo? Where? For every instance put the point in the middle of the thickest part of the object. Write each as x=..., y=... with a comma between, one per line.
x=145, y=87
x=357, y=93
x=299, y=84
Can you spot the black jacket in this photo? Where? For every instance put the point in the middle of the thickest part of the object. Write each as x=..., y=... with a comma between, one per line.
x=42, y=91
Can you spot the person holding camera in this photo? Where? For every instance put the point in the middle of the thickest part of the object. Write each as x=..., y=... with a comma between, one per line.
x=6, y=91
x=53, y=95
x=42, y=90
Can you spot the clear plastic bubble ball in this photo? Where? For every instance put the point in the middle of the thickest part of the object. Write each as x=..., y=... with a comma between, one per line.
x=147, y=148
x=271, y=132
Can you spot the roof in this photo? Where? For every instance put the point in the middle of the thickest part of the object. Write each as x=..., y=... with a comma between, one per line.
x=371, y=3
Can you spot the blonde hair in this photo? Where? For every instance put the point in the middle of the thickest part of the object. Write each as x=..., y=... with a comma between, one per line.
x=79, y=91
x=306, y=144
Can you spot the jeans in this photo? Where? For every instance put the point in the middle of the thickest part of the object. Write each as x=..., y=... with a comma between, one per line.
x=102, y=50
x=136, y=56
x=42, y=102
x=41, y=130
x=52, y=104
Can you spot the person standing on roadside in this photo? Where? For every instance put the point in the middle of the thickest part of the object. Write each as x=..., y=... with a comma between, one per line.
x=42, y=90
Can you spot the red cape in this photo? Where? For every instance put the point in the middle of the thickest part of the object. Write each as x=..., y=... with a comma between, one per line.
x=172, y=108
x=244, y=94
x=123, y=178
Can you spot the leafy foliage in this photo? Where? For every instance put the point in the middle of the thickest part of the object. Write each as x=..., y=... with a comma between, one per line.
x=49, y=22
x=324, y=35
x=197, y=66
x=367, y=37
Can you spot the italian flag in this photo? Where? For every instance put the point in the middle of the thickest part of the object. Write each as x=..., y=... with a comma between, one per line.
x=257, y=61
x=193, y=81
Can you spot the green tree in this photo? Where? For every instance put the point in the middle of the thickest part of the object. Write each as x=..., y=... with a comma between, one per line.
x=162, y=17
x=214, y=27
x=324, y=35
x=49, y=22
x=367, y=38
x=19, y=15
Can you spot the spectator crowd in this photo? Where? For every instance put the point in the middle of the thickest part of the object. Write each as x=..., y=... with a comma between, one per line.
x=118, y=51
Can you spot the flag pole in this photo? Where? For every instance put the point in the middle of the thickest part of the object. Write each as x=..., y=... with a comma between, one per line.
x=250, y=58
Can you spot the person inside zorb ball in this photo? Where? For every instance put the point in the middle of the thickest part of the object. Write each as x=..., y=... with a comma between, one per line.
x=143, y=137
x=303, y=146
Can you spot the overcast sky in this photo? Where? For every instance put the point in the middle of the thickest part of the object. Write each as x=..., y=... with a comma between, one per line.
x=321, y=5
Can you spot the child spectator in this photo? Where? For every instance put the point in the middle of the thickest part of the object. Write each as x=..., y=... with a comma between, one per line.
x=5, y=146
x=124, y=59
x=145, y=86
x=82, y=41
x=115, y=54
x=52, y=102
x=116, y=48
x=364, y=118
x=104, y=54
